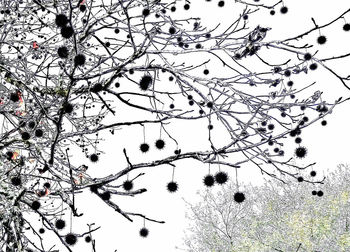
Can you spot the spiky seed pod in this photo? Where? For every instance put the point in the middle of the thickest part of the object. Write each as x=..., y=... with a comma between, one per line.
x=144, y=147
x=321, y=39
x=71, y=239
x=284, y=10
x=16, y=181
x=172, y=186
x=61, y=20
x=94, y=158
x=144, y=232
x=145, y=82
x=106, y=196
x=35, y=205
x=63, y=52
x=128, y=185
x=221, y=177
x=160, y=144
x=300, y=152
x=239, y=197
x=79, y=60
x=67, y=32
x=209, y=180
x=60, y=224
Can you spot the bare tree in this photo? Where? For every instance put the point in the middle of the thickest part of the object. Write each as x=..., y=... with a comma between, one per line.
x=69, y=68
x=275, y=217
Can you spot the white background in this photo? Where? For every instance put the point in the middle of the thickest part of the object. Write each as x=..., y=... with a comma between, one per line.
x=328, y=146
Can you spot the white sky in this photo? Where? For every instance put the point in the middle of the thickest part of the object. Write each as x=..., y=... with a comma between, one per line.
x=327, y=145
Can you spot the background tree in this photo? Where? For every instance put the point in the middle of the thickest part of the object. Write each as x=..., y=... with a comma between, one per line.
x=76, y=72
x=275, y=217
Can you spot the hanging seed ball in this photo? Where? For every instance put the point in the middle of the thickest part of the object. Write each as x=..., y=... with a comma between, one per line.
x=128, y=185
x=270, y=126
x=172, y=186
x=307, y=56
x=60, y=224
x=177, y=152
x=300, y=152
x=313, y=66
x=145, y=82
x=79, y=60
x=82, y=8
x=321, y=40
x=300, y=179
x=172, y=30
x=25, y=136
x=71, y=239
x=9, y=155
x=61, y=20
x=221, y=177
x=319, y=193
x=314, y=192
x=284, y=10
x=209, y=180
x=144, y=147
x=63, y=52
x=31, y=124
x=312, y=173
x=221, y=3
x=67, y=32
x=160, y=144
x=144, y=232
x=16, y=181
x=88, y=239
x=39, y=133
x=186, y=6
x=97, y=88
x=41, y=230
x=14, y=97
x=94, y=158
x=106, y=196
x=35, y=205
x=239, y=197
x=68, y=107
x=145, y=12
x=346, y=27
